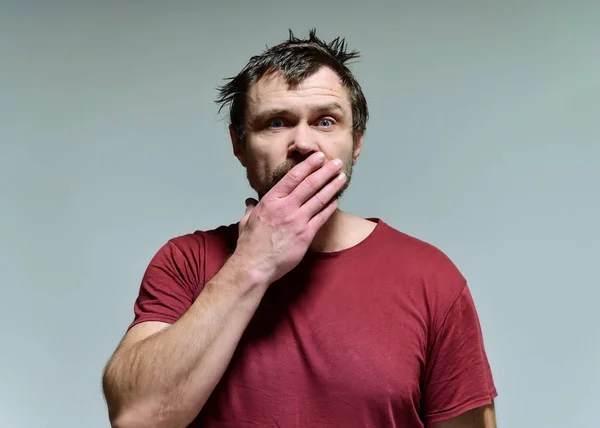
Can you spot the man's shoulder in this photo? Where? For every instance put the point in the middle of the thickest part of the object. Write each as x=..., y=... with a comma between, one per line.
x=417, y=251
x=225, y=233
x=420, y=260
x=219, y=240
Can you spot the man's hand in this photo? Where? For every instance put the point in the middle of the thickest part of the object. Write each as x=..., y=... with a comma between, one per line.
x=276, y=232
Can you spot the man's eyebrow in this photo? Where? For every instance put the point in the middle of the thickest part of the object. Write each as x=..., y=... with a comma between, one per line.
x=317, y=109
x=272, y=112
x=324, y=108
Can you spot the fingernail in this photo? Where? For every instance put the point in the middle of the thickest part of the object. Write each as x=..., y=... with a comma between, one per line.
x=337, y=162
x=320, y=156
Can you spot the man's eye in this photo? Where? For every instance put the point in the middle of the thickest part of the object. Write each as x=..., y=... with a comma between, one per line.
x=276, y=123
x=325, y=123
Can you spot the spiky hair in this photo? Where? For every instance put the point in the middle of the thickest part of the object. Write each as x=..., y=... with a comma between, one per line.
x=296, y=59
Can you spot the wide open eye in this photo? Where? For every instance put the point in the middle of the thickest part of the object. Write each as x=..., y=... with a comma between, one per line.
x=325, y=123
x=276, y=123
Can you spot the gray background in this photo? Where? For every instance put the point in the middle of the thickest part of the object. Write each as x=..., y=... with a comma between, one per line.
x=484, y=140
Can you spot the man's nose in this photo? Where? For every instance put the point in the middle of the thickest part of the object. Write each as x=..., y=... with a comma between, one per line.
x=304, y=141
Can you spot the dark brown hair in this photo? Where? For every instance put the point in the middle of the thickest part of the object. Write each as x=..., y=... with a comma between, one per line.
x=296, y=59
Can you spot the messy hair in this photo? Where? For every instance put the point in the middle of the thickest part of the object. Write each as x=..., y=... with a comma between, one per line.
x=296, y=59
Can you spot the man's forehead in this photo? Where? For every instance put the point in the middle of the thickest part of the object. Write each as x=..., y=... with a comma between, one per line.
x=319, y=90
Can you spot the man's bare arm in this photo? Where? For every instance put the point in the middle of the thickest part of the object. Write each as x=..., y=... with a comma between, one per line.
x=163, y=378
x=481, y=417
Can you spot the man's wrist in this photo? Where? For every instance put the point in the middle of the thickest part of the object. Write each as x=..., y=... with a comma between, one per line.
x=239, y=270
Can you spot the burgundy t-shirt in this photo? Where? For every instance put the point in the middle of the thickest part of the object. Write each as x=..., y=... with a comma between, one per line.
x=383, y=334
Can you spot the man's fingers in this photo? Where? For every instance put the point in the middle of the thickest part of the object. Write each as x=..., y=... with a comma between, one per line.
x=323, y=197
x=316, y=222
x=297, y=174
x=308, y=189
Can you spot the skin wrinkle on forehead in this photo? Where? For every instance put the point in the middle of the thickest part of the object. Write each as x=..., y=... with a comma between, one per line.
x=271, y=87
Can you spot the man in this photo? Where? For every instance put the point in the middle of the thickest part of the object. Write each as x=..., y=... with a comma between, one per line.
x=300, y=315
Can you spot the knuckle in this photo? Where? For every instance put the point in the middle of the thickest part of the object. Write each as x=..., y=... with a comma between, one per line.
x=295, y=175
x=311, y=181
x=304, y=236
x=320, y=199
x=271, y=205
x=283, y=213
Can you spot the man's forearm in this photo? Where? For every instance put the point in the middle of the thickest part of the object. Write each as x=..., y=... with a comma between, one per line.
x=165, y=379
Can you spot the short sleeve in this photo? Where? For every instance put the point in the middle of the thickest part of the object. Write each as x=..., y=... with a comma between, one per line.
x=168, y=285
x=458, y=375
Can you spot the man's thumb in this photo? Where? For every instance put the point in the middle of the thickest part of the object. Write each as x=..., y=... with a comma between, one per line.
x=250, y=204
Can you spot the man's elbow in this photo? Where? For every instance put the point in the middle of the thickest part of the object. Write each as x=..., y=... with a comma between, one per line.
x=122, y=414
x=128, y=409
x=142, y=413
x=140, y=417
x=127, y=420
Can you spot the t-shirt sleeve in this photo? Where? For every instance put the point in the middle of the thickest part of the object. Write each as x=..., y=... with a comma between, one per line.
x=458, y=374
x=169, y=283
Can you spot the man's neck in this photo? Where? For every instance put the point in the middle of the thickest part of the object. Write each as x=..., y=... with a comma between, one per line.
x=341, y=231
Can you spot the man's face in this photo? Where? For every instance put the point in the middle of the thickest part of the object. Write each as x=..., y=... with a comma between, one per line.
x=285, y=126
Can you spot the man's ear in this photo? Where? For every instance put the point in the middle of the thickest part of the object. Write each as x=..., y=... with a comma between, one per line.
x=238, y=149
x=358, y=141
